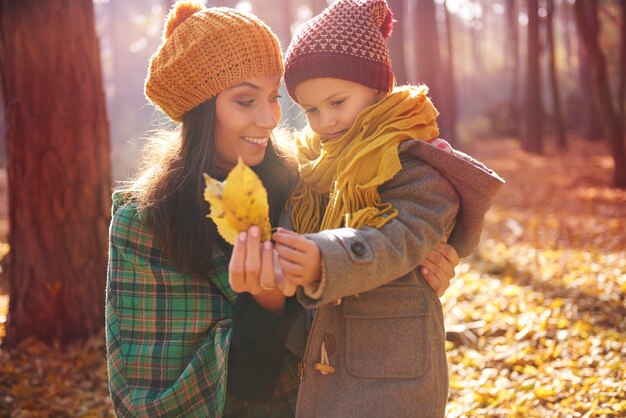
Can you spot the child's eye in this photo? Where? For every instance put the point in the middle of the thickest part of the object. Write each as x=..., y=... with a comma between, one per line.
x=338, y=102
x=246, y=103
x=309, y=111
x=276, y=98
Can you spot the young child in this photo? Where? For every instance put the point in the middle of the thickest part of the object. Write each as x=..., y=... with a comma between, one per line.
x=377, y=192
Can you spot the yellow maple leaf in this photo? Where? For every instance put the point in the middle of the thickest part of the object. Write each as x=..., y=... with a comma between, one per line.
x=214, y=193
x=238, y=203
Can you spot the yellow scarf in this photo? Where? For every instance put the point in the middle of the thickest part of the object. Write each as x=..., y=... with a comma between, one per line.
x=339, y=179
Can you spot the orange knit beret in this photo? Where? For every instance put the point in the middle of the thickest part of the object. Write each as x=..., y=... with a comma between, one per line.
x=206, y=50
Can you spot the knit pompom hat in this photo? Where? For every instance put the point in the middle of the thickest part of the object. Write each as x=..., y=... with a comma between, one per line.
x=206, y=50
x=346, y=41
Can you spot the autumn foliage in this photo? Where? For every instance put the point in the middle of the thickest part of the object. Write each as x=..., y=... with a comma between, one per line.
x=238, y=203
x=545, y=296
x=549, y=282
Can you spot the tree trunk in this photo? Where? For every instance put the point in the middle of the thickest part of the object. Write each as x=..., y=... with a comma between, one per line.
x=533, y=141
x=428, y=58
x=591, y=128
x=58, y=169
x=396, y=42
x=611, y=123
x=622, y=65
x=568, y=35
x=554, y=84
x=450, y=83
x=476, y=29
x=512, y=56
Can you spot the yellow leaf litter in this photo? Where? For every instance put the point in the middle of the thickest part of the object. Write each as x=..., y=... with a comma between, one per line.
x=548, y=280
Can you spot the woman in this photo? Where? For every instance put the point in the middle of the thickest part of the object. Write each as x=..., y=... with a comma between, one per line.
x=180, y=342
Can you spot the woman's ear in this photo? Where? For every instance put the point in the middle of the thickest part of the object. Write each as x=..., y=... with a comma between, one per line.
x=381, y=95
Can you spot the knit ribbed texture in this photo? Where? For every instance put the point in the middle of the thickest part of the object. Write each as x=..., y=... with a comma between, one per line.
x=205, y=51
x=345, y=41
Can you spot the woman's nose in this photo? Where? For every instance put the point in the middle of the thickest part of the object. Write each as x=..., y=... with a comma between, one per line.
x=267, y=116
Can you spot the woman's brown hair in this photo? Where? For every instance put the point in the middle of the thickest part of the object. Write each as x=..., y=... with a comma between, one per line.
x=170, y=188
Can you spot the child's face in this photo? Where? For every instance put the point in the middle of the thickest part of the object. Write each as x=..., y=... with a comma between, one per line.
x=332, y=105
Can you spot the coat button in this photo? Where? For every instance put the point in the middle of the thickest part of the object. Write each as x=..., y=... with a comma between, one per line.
x=324, y=368
x=358, y=248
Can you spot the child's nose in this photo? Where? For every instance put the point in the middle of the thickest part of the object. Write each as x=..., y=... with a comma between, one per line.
x=327, y=120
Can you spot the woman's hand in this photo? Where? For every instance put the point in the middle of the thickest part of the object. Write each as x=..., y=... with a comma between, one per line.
x=251, y=269
x=438, y=267
x=299, y=258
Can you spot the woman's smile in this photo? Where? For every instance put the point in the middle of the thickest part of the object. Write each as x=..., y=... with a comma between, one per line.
x=256, y=140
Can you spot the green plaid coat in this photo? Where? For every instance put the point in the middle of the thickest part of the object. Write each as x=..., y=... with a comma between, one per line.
x=168, y=334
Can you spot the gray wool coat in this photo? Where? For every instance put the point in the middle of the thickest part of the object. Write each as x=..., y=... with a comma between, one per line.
x=381, y=324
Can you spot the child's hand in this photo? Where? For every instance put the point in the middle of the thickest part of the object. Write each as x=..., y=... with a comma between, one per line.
x=438, y=267
x=299, y=258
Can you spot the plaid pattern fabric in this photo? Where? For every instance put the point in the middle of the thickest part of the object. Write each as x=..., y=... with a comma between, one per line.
x=168, y=334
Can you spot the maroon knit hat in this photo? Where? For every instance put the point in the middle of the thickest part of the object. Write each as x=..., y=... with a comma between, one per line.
x=345, y=41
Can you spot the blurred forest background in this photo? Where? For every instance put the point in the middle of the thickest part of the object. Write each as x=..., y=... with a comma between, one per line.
x=489, y=67
x=535, y=88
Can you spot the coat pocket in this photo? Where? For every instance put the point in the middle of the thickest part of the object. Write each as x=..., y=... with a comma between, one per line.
x=386, y=333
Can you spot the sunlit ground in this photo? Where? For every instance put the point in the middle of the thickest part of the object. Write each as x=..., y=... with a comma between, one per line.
x=547, y=290
x=549, y=282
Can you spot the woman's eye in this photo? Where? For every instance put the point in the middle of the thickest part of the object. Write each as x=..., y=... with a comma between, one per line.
x=276, y=98
x=246, y=103
x=309, y=111
x=338, y=102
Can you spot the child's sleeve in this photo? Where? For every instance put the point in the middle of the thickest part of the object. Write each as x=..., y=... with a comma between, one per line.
x=356, y=261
